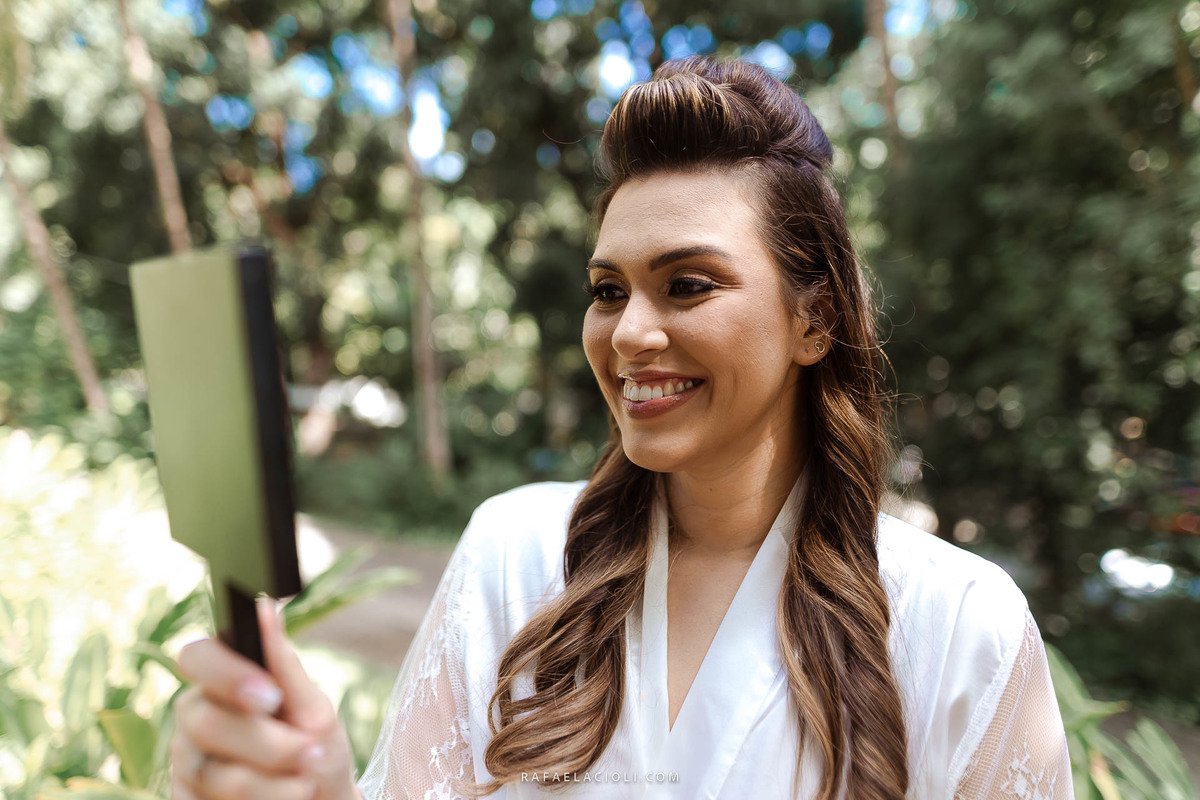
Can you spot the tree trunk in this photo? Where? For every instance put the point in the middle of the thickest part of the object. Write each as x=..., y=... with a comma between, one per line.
x=435, y=438
x=158, y=136
x=37, y=239
x=877, y=29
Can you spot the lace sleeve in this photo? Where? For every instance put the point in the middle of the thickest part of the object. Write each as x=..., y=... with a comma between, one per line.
x=424, y=747
x=1022, y=752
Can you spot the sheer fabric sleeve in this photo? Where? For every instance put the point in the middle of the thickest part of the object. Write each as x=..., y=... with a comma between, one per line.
x=1016, y=748
x=424, y=747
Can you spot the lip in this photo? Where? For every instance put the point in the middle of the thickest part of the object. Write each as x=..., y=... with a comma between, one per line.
x=656, y=375
x=644, y=409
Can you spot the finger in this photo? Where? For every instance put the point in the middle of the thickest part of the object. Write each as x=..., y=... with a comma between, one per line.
x=304, y=705
x=262, y=742
x=181, y=792
x=229, y=677
x=187, y=763
x=224, y=780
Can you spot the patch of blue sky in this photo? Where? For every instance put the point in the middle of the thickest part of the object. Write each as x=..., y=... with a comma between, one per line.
x=682, y=41
x=296, y=136
x=597, y=110
x=303, y=171
x=548, y=155
x=428, y=133
x=378, y=87
x=543, y=10
x=191, y=10
x=608, y=29
x=579, y=8
x=770, y=55
x=702, y=39
x=229, y=113
x=483, y=141
x=633, y=17
x=615, y=68
x=642, y=44
x=448, y=167
x=676, y=43
x=286, y=26
x=350, y=50
x=792, y=39
x=312, y=75
x=906, y=17
x=818, y=36
x=182, y=8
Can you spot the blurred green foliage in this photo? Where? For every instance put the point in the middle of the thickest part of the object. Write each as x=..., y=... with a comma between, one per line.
x=1026, y=202
x=1148, y=766
x=92, y=612
x=1037, y=233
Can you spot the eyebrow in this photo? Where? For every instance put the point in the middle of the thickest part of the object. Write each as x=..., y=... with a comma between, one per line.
x=664, y=259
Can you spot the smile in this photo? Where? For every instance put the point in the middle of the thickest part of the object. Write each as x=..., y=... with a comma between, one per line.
x=652, y=390
x=660, y=396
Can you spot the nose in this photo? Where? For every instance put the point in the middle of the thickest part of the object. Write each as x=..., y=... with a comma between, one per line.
x=639, y=329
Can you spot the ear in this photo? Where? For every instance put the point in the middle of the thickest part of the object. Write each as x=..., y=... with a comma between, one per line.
x=811, y=342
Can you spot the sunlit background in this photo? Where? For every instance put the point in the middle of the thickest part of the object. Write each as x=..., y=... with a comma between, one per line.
x=1023, y=185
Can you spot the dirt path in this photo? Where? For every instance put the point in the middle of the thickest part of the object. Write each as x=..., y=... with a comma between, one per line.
x=380, y=628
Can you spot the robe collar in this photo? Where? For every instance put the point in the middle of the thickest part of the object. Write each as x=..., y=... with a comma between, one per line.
x=740, y=672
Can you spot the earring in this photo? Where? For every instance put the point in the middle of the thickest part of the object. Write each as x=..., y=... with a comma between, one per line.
x=820, y=347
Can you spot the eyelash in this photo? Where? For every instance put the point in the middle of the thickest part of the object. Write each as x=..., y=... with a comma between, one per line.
x=597, y=290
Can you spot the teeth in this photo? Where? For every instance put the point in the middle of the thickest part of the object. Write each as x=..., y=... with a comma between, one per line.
x=653, y=391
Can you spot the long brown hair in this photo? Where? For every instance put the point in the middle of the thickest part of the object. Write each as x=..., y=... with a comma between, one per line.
x=833, y=615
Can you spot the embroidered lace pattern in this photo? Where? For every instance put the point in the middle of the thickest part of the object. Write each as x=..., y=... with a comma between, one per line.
x=423, y=751
x=1022, y=752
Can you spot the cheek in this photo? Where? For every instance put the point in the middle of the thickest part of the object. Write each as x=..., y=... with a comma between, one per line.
x=597, y=339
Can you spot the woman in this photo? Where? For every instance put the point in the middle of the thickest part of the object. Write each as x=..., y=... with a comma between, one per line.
x=721, y=610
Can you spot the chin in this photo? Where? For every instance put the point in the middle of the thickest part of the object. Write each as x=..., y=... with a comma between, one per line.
x=656, y=456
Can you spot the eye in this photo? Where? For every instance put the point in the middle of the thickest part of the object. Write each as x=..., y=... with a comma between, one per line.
x=601, y=292
x=698, y=286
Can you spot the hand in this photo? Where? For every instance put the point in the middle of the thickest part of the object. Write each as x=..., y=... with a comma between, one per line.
x=245, y=732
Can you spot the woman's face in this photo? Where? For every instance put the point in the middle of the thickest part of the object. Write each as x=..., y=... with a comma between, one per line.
x=688, y=288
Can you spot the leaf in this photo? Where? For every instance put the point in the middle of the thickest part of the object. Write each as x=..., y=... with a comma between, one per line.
x=177, y=617
x=133, y=740
x=1131, y=778
x=84, y=683
x=39, y=622
x=376, y=581
x=1101, y=778
x=1079, y=711
x=1151, y=744
x=326, y=584
x=149, y=652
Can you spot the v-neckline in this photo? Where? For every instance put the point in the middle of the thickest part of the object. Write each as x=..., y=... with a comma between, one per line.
x=742, y=661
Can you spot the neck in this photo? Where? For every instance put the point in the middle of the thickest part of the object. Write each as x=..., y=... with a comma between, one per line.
x=729, y=511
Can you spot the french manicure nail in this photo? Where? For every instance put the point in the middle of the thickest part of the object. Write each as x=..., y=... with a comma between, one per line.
x=263, y=696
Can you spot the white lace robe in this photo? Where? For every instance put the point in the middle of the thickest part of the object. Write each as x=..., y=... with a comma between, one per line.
x=980, y=709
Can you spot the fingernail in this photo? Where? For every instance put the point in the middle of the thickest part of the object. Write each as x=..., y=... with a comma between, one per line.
x=263, y=696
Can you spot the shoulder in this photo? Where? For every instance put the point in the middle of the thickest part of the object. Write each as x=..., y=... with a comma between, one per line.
x=529, y=517
x=513, y=544
x=939, y=582
x=958, y=623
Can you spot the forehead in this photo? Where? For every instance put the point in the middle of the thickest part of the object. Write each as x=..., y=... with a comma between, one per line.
x=652, y=214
